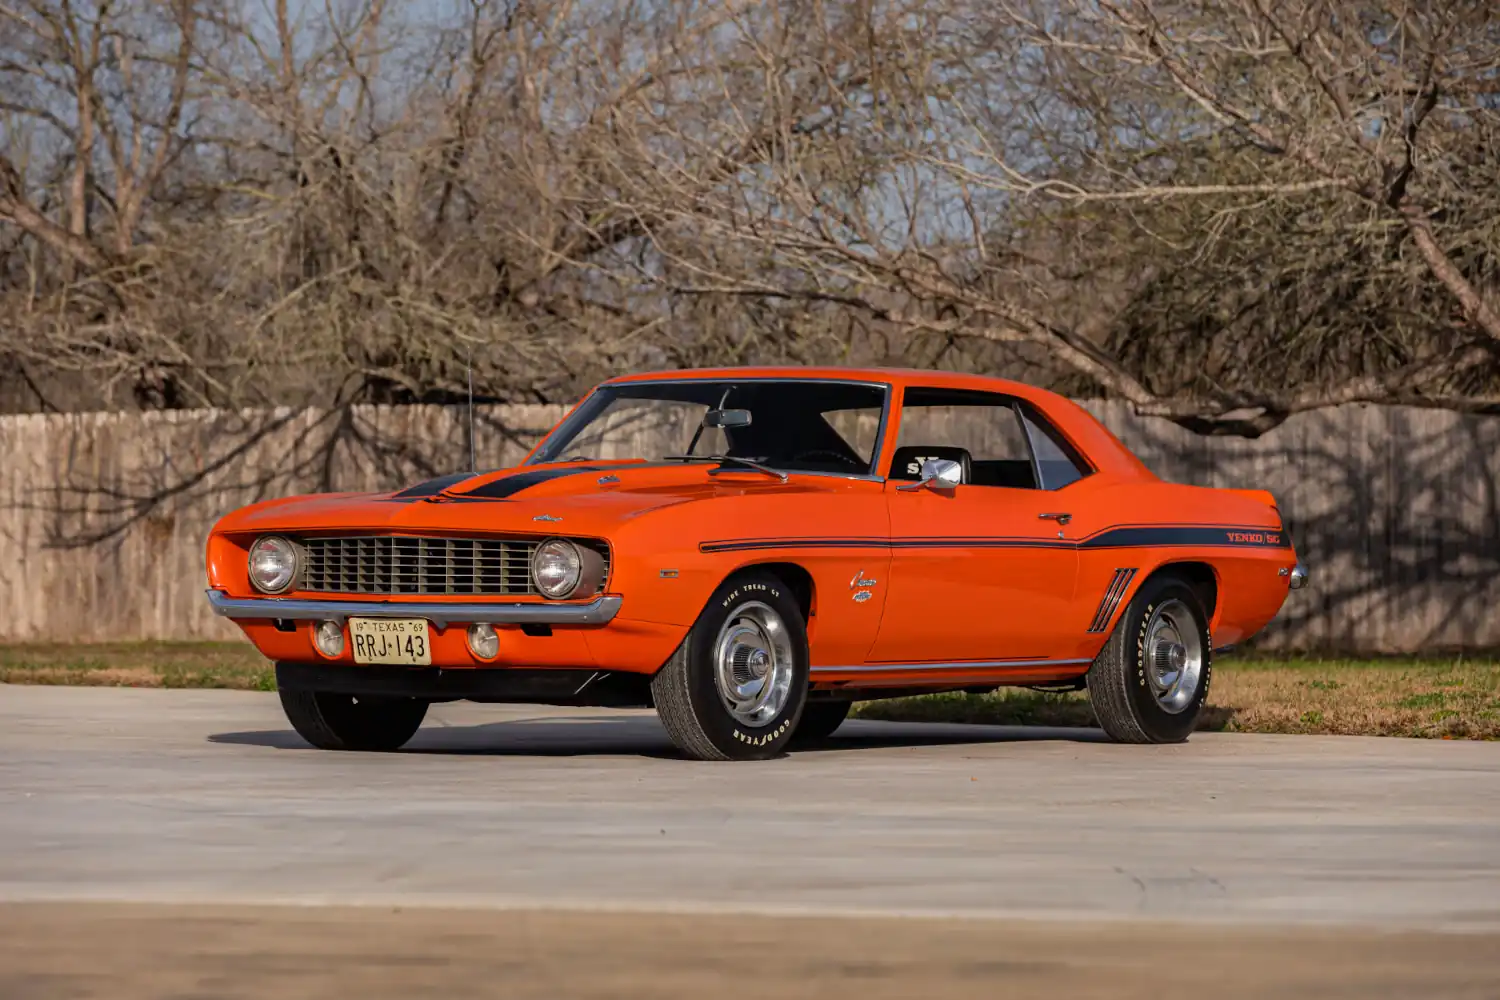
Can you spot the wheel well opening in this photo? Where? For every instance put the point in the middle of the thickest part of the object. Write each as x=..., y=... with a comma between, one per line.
x=1202, y=578
x=797, y=579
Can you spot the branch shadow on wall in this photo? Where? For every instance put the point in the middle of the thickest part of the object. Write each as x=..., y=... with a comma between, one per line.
x=1394, y=510
x=147, y=472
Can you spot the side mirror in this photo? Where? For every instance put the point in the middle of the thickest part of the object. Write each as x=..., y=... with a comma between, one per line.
x=726, y=418
x=937, y=474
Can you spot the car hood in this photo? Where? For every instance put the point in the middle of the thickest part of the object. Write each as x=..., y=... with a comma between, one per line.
x=563, y=498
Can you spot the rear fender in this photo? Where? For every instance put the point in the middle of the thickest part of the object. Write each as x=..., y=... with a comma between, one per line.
x=1264, y=496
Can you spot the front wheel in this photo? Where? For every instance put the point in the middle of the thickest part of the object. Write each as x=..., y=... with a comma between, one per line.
x=735, y=688
x=345, y=722
x=1150, y=681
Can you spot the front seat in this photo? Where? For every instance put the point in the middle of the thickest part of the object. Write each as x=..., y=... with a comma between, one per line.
x=907, y=462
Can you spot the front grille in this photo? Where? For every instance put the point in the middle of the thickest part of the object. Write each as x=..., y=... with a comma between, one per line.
x=413, y=564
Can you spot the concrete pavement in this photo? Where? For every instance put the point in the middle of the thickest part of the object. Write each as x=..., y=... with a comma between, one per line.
x=507, y=840
x=207, y=796
x=134, y=952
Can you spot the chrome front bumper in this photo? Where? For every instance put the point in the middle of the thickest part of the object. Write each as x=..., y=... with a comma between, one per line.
x=599, y=611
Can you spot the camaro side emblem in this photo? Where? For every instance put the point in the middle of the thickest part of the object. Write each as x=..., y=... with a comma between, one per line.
x=859, y=581
x=546, y=517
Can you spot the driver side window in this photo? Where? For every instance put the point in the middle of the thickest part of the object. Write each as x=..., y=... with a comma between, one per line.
x=986, y=434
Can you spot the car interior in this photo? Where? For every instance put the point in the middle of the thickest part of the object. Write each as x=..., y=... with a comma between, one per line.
x=1015, y=447
x=830, y=426
x=1015, y=473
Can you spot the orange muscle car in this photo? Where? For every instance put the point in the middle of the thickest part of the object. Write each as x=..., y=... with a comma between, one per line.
x=749, y=551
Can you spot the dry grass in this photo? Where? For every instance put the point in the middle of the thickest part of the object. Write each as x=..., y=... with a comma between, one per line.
x=1451, y=698
x=1424, y=697
x=139, y=664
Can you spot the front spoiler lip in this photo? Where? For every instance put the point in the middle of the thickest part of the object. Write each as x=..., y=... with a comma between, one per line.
x=599, y=611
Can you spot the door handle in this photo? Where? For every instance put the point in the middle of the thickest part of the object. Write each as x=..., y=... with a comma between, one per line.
x=1059, y=518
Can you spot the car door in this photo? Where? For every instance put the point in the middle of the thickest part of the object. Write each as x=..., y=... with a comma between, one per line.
x=985, y=570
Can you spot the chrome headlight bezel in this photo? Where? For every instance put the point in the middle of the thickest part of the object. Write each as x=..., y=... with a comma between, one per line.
x=289, y=549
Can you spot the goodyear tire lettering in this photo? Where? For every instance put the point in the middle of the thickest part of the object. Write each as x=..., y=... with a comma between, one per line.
x=1140, y=646
x=762, y=740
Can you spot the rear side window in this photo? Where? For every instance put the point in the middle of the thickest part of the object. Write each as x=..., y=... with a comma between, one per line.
x=1056, y=463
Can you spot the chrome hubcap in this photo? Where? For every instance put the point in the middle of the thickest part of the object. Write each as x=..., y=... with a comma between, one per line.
x=753, y=664
x=1174, y=656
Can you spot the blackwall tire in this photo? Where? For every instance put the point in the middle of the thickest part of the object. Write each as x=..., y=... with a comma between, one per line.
x=736, y=687
x=343, y=722
x=819, y=720
x=1150, y=681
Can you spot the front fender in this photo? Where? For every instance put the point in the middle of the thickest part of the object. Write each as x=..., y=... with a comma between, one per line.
x=667, y=563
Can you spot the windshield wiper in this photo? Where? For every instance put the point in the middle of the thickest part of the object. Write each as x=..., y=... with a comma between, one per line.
x=748, y=463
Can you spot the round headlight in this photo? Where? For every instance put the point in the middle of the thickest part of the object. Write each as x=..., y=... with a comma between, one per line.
x=556, y=568
x=273, y=564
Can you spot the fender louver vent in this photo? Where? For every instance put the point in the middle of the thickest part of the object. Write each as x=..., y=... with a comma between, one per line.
x=1111, y=601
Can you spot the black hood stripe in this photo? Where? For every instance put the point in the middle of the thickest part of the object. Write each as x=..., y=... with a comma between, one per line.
x=433, y=487
x=509, y=486
x=502, y=489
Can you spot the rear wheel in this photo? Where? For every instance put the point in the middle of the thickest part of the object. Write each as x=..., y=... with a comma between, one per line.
x=1150, y=681
x=735, y=687
x=820, y=719
x=346, y=722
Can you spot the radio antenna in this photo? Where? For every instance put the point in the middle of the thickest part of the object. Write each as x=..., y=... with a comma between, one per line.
x=473, y=462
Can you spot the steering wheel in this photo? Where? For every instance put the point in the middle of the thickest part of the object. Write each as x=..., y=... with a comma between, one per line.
x=827, y=454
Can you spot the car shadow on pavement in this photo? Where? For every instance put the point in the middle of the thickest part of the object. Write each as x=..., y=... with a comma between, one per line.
x=592, y=735
x=867, y=735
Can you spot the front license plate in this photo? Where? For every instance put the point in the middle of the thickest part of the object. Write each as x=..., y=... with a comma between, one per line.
x=390, y=640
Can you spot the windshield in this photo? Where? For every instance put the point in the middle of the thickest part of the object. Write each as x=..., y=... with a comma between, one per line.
x=794, y=425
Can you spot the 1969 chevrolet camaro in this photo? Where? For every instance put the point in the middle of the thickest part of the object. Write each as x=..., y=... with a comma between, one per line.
x=749, y=551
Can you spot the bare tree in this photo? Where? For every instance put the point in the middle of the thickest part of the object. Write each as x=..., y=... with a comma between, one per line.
x=1222, y=213
x=1044, y=178
x=1377, y=119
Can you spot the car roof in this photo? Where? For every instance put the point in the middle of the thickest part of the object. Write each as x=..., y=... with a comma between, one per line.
x=893, y=376
x=1086, y=433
